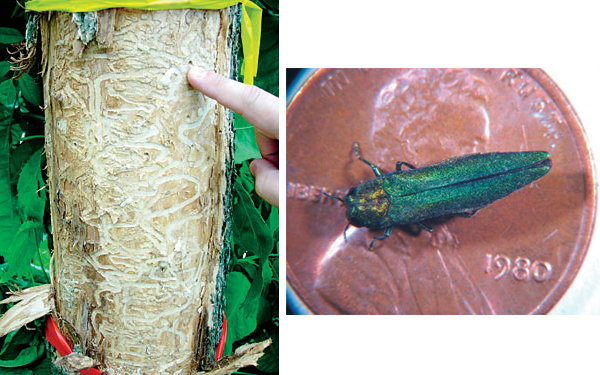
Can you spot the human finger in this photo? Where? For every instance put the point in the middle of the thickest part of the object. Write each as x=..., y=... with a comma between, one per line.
x=258, y=107
x=267, y=180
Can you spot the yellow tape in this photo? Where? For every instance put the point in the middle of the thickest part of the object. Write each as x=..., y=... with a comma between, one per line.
x=251, y=18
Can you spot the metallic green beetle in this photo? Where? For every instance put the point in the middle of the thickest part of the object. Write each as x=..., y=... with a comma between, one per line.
x=455, y=187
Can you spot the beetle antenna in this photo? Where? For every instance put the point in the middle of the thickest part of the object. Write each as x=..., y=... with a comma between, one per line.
x=333, y=197
x=373, y=166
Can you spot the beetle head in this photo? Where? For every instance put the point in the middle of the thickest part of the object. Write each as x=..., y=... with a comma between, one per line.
x=366, y=206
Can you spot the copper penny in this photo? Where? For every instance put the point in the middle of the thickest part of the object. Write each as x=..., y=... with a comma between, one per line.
x=517, y=256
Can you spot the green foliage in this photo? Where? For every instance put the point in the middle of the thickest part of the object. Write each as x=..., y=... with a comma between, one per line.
x=20, y=348
x=9, y=35
x=24, y=237
x=20, y=253
x=241, y=324
x=31, y=197
x=8, y=218
x=253, y=284
x=245, y=143
x=30, y=89
x=254, y=240
x=4, y=69
x=8, y=93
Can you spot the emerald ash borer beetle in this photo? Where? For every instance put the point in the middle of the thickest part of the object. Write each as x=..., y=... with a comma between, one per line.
x=455, y=187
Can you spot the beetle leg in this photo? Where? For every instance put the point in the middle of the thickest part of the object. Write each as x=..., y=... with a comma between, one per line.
x=357, y=153
x=387, y=233
x=424, y=227
x=467, y=214
x=346, y=237
x=399, y=165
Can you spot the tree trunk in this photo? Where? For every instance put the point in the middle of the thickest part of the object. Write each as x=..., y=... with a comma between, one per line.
x=137, y=175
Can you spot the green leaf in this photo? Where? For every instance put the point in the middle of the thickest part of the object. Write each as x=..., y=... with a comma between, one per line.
x=19, y=156
x=16, y=133
x=17, y=371
x=8, y=93
x=274, y=220
x=30, y=89
x=245, y=141
x=250, y=230
x=4, y=68
x=20, y=348
x=267, y=275
x=275, y=265
x=267, y=76
x=264, y=311
x=31, y=200
x=8, y=221
x=249, y=265
x=42, y=260
x=9, y=35
x=245, y=177
x=45, y=367
x=269, y=5
x=240, y=324
x=251, y=233
x=25, y=357
x=270, y=361
x=21, y=251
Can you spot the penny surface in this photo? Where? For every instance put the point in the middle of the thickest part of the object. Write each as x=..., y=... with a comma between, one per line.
x=516, y=256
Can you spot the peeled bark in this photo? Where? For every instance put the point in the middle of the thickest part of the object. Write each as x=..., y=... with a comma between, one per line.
x=136, y=166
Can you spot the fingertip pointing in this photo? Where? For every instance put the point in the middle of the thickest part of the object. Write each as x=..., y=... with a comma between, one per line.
x=196, y=74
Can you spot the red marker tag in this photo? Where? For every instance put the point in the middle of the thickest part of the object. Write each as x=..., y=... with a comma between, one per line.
x=56, y=339
x=222, y=340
